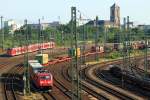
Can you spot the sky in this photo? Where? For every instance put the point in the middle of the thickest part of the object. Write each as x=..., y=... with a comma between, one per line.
x=50, y=10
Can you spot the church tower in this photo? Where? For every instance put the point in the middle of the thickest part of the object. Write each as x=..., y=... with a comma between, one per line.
x=115, y=15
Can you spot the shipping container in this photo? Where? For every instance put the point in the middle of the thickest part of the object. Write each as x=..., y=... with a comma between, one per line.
x=34, y=66
x=72, y=52
x=42, y=58
x=78, y=52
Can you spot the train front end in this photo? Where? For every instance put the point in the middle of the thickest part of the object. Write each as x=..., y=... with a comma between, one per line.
x=45, y=81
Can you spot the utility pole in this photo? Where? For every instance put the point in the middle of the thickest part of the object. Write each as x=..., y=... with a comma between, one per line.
x=75, y=67
x=128, y=22
x=51, y=38
x=39, y=34
x=124, y=22
x=124, y=51
x=62, y=39
x=126, y=48
x=128, y=42
x=105, y=41
x=96, y=39
x=145, y=56
x=42, y=39
x=26, y=76
x=83, y=58
x=2, y=32
x=83, y=37
x=116, y=41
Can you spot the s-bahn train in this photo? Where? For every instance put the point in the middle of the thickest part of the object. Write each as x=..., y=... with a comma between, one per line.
x=31, y=48
x=40, y=77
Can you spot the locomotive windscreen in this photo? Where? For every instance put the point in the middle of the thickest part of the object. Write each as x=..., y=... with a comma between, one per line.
x=45, y=77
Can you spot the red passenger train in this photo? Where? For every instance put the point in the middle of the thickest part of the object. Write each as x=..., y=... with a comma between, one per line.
x=31, y=48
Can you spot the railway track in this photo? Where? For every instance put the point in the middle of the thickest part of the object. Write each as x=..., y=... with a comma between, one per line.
x=88, y=88
x=48, y=96
x=116, y=92
x=10, y=83
x=8, y=88
x=8, y=63
x=112, y=91
x=92, y=89
x=121, y=94
x=65, y=74
x=59, y=82
x=8, y=79
x=85, y=86
x=60, y=87
x=98, y=92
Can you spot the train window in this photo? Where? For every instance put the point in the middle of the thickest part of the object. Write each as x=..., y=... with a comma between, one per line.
x=43, y=71
x=9, y=49
x=35, y=71
x=45, y=77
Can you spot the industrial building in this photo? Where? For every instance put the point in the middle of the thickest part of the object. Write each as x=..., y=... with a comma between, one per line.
x=114, y=18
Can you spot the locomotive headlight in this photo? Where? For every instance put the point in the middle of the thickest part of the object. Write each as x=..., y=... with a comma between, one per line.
x=41, y=82
x=48, y=82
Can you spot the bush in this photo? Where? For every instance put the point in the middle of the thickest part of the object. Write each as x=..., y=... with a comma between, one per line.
x=113, y=55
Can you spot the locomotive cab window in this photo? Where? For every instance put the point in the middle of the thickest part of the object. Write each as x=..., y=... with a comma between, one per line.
x=45, y=77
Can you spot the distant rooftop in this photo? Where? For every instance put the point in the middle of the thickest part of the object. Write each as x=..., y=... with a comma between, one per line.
x=100, y=22
x=114, y=5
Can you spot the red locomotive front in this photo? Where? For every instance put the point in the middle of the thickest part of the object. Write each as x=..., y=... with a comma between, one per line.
x=45, y=80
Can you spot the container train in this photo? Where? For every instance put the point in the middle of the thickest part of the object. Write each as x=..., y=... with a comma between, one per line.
x=93, y=49
x=134, y=45
x=40, y=77
x=139, y=45
x=97, y=49
x=31, y=48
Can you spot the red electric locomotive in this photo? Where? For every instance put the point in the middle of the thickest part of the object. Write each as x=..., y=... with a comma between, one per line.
x=31, y=48
x=41, y=78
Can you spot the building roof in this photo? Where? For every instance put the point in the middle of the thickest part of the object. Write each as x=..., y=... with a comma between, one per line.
x=100, y=22
x=114, y=5
x=45, y=25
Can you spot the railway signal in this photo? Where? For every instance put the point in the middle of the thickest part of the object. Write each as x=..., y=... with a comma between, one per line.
x=26, y=76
